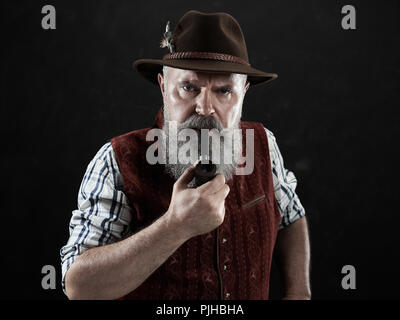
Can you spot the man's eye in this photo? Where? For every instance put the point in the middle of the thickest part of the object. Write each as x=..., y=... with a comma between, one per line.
x=226, y=91
x=188, y=88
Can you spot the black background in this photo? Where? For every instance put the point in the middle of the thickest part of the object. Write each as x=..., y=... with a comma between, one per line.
x=333, y=110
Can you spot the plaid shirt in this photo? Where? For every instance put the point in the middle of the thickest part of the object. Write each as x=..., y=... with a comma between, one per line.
x=103, y=215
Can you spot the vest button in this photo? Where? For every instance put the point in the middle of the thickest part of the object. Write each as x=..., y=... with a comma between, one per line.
x=227, y=295
x=224, y=240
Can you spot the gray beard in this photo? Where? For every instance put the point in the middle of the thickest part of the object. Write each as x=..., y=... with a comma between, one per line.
x=233, y=146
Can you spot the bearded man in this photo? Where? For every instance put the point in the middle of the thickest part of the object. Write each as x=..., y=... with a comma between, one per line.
x=144, y=230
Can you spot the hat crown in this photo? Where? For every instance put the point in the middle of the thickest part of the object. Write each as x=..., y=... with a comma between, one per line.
x=204, y=42
x=209, y=32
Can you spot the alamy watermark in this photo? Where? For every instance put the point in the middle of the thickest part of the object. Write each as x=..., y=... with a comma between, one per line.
x=349, y=20
x=349, y=280
x=49, y=20
x=49, y=280
x=219, y=147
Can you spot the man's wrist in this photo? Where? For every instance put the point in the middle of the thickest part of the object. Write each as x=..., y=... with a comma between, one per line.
x=297, y=295
x=172, y=228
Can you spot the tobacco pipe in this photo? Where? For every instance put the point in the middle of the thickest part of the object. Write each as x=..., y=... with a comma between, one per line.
x=204, y=172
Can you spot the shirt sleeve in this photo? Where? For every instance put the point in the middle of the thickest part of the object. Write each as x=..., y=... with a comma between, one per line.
x=103, y=214
x=285, y=184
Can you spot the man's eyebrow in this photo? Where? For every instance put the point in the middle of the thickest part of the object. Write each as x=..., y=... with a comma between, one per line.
x=186, y=82
x=193, y=83
x=225, y=86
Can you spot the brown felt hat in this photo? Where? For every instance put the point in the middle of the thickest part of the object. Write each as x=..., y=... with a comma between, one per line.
x=209, y=42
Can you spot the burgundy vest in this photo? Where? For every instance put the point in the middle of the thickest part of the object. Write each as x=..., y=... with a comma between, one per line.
x=231, y=262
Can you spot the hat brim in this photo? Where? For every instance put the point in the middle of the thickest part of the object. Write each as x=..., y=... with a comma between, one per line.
x=149, y=68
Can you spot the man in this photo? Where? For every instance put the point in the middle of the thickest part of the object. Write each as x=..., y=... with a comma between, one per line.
x=144, y=231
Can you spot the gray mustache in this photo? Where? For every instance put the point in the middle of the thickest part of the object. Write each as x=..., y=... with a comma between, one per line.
x=199, y=122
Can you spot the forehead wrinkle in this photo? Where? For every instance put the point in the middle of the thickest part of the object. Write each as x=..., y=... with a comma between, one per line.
x=196, y=77
x=215, y=80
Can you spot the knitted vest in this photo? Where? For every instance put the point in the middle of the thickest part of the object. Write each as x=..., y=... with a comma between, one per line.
x=231, y=262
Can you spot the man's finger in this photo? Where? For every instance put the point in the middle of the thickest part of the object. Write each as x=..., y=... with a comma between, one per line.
x=213, y=185
x=222, y=193
x=186, y=177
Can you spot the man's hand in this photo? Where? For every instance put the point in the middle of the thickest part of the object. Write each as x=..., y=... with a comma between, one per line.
x=200, y=210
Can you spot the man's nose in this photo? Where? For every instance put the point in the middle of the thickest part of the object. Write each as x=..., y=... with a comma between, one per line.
x=204, y=105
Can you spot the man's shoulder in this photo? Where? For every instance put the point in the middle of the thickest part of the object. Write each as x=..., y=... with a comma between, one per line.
x=131, y=144
x=253, y=124
x=137, y=136
x=133, y=133
x=270, y=134
x=104, y=152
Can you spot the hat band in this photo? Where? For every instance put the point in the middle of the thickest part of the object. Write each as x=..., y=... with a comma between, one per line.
x=205, y=55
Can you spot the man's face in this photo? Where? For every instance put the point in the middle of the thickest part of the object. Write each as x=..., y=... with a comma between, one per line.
x=198, y=100
x=189, y=92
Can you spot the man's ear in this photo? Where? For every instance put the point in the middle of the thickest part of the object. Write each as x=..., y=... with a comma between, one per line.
x=160, y=79
x=246, y=87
